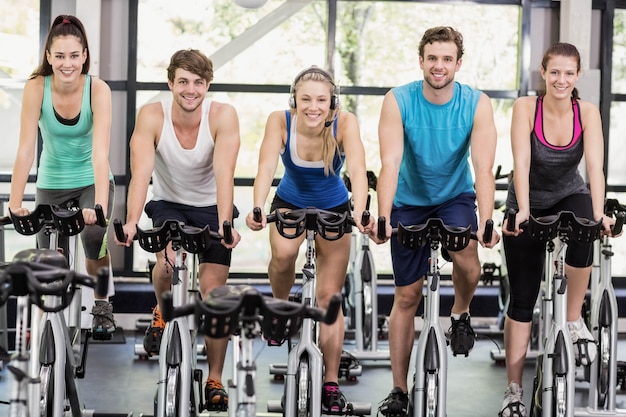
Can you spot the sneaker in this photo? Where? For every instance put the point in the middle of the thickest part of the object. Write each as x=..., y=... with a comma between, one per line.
x=512, y=404
x=461, y=335
x=103, y=324
x=154, y=333
x=396, y=404
x=585, y=349
x=333, y=401
x=216, y=396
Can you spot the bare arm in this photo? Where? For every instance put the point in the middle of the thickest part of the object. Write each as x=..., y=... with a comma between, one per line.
x=391, y=142
x=273, y=139
x=224, y=119
x=31, y=110
x=142, y=156
x=349, y=136
x=483, y=151
x=101, y=108
x=594, y=159
x=521, y=127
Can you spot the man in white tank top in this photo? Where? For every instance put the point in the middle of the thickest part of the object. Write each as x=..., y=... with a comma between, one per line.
x=188, y=146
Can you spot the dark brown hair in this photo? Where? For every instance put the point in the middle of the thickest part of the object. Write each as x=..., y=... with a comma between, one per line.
x=193, y=61
x=442, y=34
x=63, y=25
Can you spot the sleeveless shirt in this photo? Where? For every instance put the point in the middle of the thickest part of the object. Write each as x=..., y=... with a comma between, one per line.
x=67, y=147
x=435, y=166
x=304, y=183
x=185, y=176
x=553, y=169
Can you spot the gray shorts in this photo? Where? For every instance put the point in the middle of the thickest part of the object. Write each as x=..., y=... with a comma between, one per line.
x=94, y=237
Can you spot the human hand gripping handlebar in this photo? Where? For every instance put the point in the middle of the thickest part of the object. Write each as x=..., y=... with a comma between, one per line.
x=546, y=228
x=229, y=308
x=67, y=222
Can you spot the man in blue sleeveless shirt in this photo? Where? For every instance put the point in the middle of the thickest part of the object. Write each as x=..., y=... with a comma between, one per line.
x=426, y=131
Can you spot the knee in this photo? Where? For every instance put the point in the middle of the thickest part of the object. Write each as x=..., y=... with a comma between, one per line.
x=520, y=312
x=283, y=262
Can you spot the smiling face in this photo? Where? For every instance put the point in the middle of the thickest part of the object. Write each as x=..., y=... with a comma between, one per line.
x=188, y=89
x=66, y=56
x=313, y=101
x=439, y=63
x=560, y=75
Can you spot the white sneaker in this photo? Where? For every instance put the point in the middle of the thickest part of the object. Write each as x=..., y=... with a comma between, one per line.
x=585, y=348
x=512, y=404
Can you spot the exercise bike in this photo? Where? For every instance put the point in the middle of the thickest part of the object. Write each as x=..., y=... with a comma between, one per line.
x=429, y=392
x=603, y=318
x=304, y=371
x=178, y=370
x=553, y=385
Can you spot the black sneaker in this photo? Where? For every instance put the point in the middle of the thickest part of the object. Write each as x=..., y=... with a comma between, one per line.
x=154, y=333
x=215, y=396
x=396, y=404
x=103, y=323
x=333, y=401
x=461, y=335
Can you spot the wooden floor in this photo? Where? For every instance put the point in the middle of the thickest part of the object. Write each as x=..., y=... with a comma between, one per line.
x=118, y=381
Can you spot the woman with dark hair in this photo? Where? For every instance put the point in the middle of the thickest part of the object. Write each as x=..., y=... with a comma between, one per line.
x=72, y=110
x=550, y=134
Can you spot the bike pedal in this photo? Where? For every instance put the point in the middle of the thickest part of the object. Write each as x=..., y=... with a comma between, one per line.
x=101, y=335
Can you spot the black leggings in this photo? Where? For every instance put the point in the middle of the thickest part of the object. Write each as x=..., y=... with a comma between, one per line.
x=525, y=258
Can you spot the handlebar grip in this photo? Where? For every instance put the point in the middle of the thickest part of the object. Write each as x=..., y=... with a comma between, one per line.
x=256, y=214
x=382, y=226
x=333, y=309
x=167, y=309
x=488, y=234
x=365, y=218
x=102, y=282
x=227, y=230
x=510, y=223
x=100, y=219
x=619, y=223
x=119, y=231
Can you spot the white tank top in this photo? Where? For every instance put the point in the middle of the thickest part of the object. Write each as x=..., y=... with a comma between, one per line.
x=181, y=175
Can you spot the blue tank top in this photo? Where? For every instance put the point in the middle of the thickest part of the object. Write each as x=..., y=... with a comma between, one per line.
x=304, y=183
x=554, y=171
x=435, y=166
x=66, y=154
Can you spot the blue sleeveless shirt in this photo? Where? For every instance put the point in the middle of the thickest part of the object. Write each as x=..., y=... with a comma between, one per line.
x=304, y=183
x=435, y=166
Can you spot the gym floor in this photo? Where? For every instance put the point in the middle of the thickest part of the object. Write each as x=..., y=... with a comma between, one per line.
x=118, y=381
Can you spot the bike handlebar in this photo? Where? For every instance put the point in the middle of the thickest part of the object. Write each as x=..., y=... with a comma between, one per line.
x=228, y=309
x=329, y=225
x=564, y=223
x=44, y=272
x=452, y=238
x=66, y=221
x=192, y=239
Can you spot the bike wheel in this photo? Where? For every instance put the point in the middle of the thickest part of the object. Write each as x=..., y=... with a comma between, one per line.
x=46, y=389
x=171, y=391
x=604, y=357
x=431, y=392
x=303, y=381
x=368, y=318
x=560, y=396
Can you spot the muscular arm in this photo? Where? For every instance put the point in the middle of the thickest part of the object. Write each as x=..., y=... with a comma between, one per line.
x=227, y=141
x=484, y=139
x=101, y=107
x=391, y=142
x=31, y=110
x=142, y=156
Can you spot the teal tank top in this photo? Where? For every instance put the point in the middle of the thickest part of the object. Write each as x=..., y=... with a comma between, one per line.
x=66, y=154
x=435, y=167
